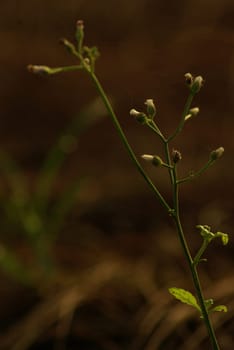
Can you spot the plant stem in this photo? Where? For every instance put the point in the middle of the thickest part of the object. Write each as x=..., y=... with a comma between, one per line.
x=198, y=173
x=182, y=121
x=175, y=211
x=125, y=141
x=168, y=158
x=200, y=252
x=191, y=263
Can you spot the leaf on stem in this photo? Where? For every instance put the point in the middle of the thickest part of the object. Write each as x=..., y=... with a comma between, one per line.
x=219, y=308
x=185, y=297
x=224, y=237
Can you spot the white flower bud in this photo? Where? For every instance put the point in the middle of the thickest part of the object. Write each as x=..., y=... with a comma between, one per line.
x=197, y=84
x=216, y=153
x=187, y=117
x=151, y=109
x=133, y=112
x=188, y=79
x=140, y=116
x=41, y=70
x=194, y=111
x=155, y=160
x=147, y=157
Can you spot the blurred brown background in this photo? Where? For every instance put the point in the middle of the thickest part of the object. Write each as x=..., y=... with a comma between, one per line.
x=146, y=47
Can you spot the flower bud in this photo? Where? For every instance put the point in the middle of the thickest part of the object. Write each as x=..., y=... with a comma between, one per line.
x=155, y=160
x=214, y=155
x=41, y=70
x=197, y=84
x=194, y=111
x=187, y=117
x=87, y=61
x=80, y=24
x=151, y=109
x=140, y=116
x=188, y=79
x=176, y=156
x=79, y=34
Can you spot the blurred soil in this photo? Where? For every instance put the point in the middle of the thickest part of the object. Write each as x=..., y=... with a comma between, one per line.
x=118, y=252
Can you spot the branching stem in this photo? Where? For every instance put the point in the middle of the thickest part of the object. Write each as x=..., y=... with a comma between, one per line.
x=87, y=64
x=125, y=141
x=174, y=212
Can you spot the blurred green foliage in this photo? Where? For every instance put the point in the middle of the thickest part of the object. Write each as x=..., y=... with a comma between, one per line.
x=34, y=214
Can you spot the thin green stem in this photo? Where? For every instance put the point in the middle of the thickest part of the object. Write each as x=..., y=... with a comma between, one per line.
x=200, y=252
x=65, y=69
x=125, y=141
x=168, y=158
x=155, y=129
x=174, y=181
x=198, y=173
x=185, y=112
x=176, y=215
x=204, y=311
x=192, y=265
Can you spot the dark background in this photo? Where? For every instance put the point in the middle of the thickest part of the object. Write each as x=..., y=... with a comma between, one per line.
x=146, y=47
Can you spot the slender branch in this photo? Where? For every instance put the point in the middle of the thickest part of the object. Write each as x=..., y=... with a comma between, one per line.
x=125, y=141
x=175, y=212
x=197, y=174
x=155, y=129
x=191, y=263
x=88, y=65
x=185, y=112
x=200, y=252
x=168, y=158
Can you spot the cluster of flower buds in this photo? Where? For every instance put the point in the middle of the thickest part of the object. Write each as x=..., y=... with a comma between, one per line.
x=194, y=83
x=142, y=117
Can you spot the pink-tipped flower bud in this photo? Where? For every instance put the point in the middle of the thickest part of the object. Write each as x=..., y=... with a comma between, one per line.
x=176, y=156
x=80, y=24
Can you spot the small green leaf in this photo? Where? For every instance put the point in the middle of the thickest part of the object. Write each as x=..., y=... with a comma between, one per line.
x=219, y=308
x=224, y=237
x=185, y=297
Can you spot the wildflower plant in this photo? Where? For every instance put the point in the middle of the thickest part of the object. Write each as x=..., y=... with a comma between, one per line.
x=171, y=159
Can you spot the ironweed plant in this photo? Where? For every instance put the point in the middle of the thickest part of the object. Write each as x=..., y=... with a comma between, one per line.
x=87, y=57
